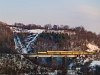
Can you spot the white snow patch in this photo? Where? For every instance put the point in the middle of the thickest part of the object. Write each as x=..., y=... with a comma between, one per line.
x=89, y=50
x=92, y=47
x=94, y=63
x=86, y=60
x=36, y=31
x=18, y=30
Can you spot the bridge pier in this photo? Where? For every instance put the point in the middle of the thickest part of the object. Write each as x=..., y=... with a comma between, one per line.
x=64, y=66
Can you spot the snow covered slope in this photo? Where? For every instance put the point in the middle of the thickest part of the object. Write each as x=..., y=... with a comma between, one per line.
x=92, y=47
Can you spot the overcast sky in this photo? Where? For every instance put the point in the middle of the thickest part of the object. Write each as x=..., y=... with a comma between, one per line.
x=68, y=12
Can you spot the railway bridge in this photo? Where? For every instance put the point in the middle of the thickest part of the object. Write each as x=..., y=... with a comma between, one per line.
x=58, y=60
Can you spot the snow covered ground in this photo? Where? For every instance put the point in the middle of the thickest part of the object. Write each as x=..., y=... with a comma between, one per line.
x=94, y=63
x=18, y=30
x=92, y=47
x=35, y=31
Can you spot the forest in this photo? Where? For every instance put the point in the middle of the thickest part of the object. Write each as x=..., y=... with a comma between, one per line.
x=49, y=41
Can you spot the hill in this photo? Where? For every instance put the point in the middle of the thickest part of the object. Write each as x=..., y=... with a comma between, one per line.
x=6, y=39
x=52, y=38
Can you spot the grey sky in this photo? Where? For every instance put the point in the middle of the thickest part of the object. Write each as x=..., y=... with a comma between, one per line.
x=71, y=12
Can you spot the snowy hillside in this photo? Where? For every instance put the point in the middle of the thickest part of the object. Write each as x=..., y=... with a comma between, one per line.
x=92, y=47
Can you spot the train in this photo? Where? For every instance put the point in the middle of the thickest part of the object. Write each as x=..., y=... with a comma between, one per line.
x=66, y=53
